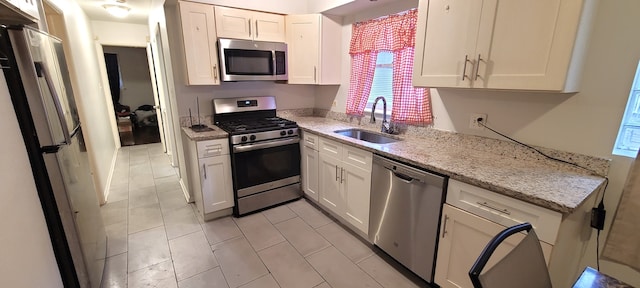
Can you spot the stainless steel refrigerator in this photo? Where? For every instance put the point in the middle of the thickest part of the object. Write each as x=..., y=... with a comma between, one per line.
x=38, y=80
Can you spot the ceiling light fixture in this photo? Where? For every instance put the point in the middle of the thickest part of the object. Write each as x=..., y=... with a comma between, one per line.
x=117, y=9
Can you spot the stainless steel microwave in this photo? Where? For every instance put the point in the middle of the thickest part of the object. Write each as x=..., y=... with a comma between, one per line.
x=246, y=60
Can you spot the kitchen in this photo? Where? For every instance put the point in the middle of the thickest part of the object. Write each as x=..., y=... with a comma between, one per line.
x=541, y=119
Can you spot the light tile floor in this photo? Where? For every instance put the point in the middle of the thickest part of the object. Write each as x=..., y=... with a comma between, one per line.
x=156, y=239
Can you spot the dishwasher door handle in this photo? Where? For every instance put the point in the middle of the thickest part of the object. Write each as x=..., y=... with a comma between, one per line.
x=404, y=178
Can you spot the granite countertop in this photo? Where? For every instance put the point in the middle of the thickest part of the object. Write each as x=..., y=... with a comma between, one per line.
x=545, y=183
x=216, y=133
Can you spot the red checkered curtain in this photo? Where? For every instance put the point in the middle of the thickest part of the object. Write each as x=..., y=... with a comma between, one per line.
x=363, y=65
x=395, y=33
x=411, y=105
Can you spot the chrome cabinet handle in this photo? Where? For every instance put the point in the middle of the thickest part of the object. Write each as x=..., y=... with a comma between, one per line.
x=336, y=172
x=256, y=22
x=215, y=71
x=485, y=204
x=478, y=67
x=249, y=27
x=314, y=73
x=204, y=168
x=464, y=69
x=341, y=176
x=444, y=225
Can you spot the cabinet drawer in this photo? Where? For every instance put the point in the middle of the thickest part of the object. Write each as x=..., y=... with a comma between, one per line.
x=504, y=210
x=310, y=140
x=357, y=157
x=210, y=148
x=329, y=147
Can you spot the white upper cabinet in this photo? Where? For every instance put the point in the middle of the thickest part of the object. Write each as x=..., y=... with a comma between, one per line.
x=314, y=43
x=249, y=25
x=515, y=45
x=199, y=40
x=20, y=11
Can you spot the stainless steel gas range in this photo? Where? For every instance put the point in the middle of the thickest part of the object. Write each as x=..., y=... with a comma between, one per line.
x=265, y=158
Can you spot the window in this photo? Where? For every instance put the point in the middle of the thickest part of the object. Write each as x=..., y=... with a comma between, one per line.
x=628, y=140
x=382, y=83
x=381, y=65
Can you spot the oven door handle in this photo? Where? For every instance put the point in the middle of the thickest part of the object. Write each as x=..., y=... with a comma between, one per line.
x=263, y=145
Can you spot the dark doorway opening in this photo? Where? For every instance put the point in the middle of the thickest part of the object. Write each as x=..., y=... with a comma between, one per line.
x=132, y=95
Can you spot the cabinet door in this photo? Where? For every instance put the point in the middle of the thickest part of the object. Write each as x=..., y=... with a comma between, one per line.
x=233, y=23
x=310, y=172
x=330, y=193
x=356, y=183
x=463, y=236
x=445, y=43
x=526, y=44
x=217, y=192
x=268, y=27
x=199, y=39
x=303, y=42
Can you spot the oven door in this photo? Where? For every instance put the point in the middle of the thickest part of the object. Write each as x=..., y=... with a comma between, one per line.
x=265, y=165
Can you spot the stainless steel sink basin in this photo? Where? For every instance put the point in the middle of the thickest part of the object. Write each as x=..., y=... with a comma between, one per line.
x=367, y=136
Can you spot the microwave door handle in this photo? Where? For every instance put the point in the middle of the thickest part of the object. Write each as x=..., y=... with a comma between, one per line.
x=41, y=70
x=273, y=59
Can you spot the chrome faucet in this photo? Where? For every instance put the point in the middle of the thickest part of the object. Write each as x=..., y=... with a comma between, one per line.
x=386, y=127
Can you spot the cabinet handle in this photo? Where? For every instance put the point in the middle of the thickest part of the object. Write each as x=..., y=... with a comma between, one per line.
x=215, y=72
x=336, y=172
x=249, y=26
x=256, y=22
x=444, y=226
x=478, y=67
x=204, y=168
x=464, y=69
x=485, y=204
x=314, y=73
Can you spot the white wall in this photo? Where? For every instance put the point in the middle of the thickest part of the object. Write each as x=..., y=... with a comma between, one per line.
x=96, y=114
x=112, y=33
x=136, y=80
x=26, y=257
x=586, y=122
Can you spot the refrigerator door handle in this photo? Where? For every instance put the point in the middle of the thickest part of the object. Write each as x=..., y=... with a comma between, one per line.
x=42, y=72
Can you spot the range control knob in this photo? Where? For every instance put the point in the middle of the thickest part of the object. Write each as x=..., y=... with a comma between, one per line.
x=282, y=133
x=290, y=132
x=243, y=139
x=252, y=137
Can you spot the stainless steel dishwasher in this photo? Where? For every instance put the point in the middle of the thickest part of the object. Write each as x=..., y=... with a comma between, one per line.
x=406, y=204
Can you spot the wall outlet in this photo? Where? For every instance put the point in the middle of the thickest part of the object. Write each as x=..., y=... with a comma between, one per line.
x=473, y=120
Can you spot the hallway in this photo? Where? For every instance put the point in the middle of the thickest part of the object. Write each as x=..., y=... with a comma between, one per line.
x=156, y=239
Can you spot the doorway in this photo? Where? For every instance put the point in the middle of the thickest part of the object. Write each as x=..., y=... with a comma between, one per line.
x=132, y=94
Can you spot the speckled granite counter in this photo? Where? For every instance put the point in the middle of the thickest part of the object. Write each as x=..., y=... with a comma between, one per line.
x=543, y=182
x=216, y=133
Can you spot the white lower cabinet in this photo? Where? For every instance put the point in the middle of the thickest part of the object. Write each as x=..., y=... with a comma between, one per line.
x=209, y=173
x=463, y=236
x=345, y=182
x=215, y=176
x=309, y=165
x=472, y=216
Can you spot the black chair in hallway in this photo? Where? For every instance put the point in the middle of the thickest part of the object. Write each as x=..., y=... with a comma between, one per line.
x=522, y=267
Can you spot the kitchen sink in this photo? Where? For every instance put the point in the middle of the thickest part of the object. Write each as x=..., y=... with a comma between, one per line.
x=367, y=136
